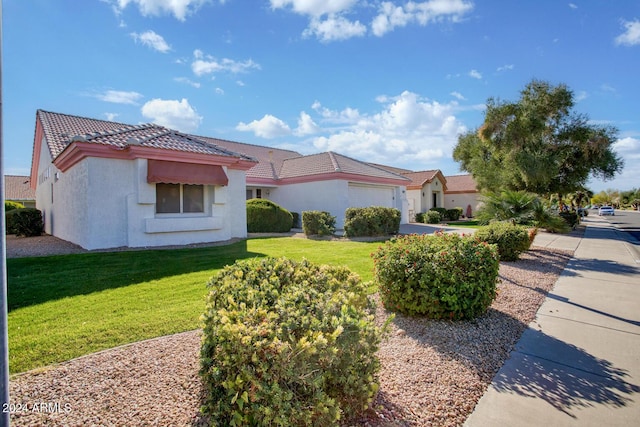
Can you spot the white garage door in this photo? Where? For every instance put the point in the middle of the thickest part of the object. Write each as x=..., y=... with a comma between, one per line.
x=362, y=196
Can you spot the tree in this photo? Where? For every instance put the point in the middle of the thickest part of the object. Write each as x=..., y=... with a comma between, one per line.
x=538, y=145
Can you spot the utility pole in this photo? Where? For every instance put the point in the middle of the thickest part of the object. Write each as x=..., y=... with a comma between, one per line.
x=4, y=334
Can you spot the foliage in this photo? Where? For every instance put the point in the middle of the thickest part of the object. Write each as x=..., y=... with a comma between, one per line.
x=511, y=239
x=287, y=344
x=432, y=217
x=93, y=301
x=516, y=206
x=25, y=222
x=441, y=276
x=265, y=216
x=571, y=218
x=318, y=222
x=11, y=205
x=537, y=144
x=296, y=219
x=371, y=221
x=549, y=219
x=453, y=214
x=8, y=216
x=441, y=211
x=420, y=217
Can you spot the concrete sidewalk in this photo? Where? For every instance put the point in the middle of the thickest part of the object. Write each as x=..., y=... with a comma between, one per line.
x=578, y=363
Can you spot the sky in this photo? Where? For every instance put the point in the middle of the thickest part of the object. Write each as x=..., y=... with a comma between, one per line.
x=390, y=82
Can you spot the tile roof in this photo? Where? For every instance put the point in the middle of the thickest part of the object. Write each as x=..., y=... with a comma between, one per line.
x=392, y=168
x=330, y=162
x=17, y=187
x=461, y=184
x=61, y=130
x=418, y=179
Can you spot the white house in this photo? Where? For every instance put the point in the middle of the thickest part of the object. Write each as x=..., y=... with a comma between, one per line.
x=102, y=184
x=17, y=188
x=462, y=193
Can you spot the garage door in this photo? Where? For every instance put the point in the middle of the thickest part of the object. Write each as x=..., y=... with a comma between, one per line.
x=362, y=196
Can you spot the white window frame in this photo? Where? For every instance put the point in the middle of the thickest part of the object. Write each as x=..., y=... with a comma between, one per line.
x=181, y=213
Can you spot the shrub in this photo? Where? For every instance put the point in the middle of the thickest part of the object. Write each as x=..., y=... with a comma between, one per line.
x=518, y=207
x=25, y=222
x=571, y=218
x=441, y=211
x=371, y=221
x=8, y=218
x=264, y=216
x=420, y=217
x=287, y=344
x=511, y=239
x=432, y=217
x=10, y=205
x=318, y=222
x=453, y=214
x=441, y=276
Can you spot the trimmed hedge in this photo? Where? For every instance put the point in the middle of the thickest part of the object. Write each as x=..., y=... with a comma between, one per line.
x=441, y=276
x=287, y=344
x=420, y=217
x=432, y=217
x=264, y=216
x=318, y=222
x=371, y=221
x=441, y=211
x=25, y=222
x=511, y=239
x=453, y=214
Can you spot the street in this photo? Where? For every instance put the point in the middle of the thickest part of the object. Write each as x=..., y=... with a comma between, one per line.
x=628, y=221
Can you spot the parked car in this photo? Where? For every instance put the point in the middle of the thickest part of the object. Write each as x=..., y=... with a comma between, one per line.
x=606, y=210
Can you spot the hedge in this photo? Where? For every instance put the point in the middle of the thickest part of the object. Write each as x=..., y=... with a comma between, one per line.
x=265, y=216
x=318, y=223
x=371, y=221
x=511, y=239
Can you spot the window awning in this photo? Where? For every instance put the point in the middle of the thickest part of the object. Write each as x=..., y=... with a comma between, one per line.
x=185, y=173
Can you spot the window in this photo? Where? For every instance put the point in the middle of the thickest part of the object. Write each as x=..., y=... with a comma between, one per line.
x=259, y=193
x=179, y=198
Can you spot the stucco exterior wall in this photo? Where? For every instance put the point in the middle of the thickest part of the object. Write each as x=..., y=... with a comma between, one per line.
x=462, y=200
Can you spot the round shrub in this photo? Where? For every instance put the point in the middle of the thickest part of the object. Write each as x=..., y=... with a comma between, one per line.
x=287, y=344
x=371, y=221
x=420, y=217
x=441, y=276
x=441, y=211
x=319, y=223
x=511, y=239
x=25, y=222
x=453, y=214
x=432, y=217
x=264, y=216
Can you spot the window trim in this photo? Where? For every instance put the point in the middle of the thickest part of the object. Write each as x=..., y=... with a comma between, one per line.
x=181, y=213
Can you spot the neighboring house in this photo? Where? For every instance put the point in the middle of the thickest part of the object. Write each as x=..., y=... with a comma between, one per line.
x=326, y=181
x=426, y=191
x=462, y=193
x=18, y=189
x=102, y=184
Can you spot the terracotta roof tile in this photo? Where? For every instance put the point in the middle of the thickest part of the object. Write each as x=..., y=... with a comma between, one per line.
x=330, y=162
x=461, y=184
x=62, y=129
x=18, y=188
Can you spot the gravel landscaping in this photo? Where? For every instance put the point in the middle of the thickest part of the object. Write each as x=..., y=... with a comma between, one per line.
x=433, y=372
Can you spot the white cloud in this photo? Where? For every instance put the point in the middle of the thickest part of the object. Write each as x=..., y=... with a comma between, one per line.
x=111, y=116
x=314, y=7
x=180, y=9
x=408, y=130
x=627, y=145
x=120, y=97
x=153, y=40
x=391, y=16
x=458, y=95
x=631, y=36
x=347, y=116
x=475, y=74
x=240, y=83
x=206, y=64
x=507, y=67
x=173, y=114
x=187, y=81
x=334, y=28
x=267, y=127
x=306, y=125
x=219, y=91
x=573, y=6
x=581, y=96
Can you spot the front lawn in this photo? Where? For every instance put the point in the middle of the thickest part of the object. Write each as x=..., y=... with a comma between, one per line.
x=62, y=307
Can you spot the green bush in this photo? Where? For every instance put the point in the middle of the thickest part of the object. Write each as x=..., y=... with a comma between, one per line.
x=511, y=239
x=441, y=211
x=371, y=221
x=420, y=217
x=264, y=216
x=432, y=217
x=441, y=276
x=287, y=344
x=571, y=218
x=318, y=222
x=24, y=222
x=9, y=205
x=453, y=214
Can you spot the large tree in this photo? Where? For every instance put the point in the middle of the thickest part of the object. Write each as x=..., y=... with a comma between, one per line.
x=538, y=144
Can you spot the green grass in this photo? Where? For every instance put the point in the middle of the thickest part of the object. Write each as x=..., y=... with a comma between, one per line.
x=469, y=224
x=62, y=307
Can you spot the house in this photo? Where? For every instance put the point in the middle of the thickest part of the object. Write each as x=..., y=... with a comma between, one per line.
x=103, y=184
x=325, y=181
x=462, y=192
x=18, y=189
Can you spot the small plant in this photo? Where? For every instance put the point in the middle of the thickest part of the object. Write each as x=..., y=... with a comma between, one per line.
x=432, y=217
x=453, y=214
x=441, y=211
x=371, y=221
x=571, y=218
x=511, y=239
x=264, y=216
x=25, y=222
x=420, y=217
x=318, y=223
x=441, y=276
x=287, y=344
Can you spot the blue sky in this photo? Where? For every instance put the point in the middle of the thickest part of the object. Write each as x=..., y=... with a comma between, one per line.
x=391, y=82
